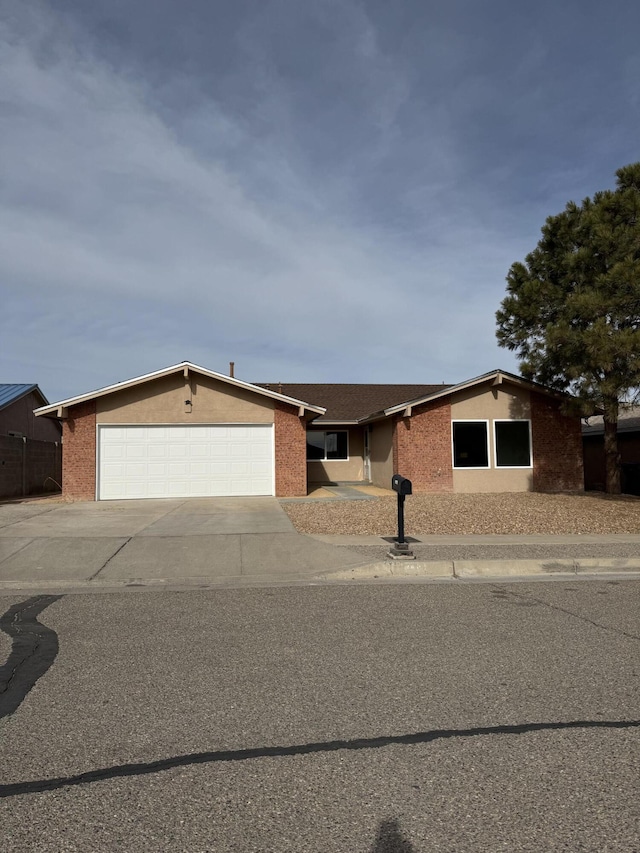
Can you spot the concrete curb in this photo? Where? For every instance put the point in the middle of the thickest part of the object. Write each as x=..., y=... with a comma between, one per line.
x=390, y=570
x=460, y=569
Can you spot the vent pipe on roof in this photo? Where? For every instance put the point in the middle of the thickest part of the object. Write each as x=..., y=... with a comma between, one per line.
x=279, y=387
x=232, y=365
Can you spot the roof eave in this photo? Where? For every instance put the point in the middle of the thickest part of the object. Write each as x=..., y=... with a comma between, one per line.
x=168, y=371
x=497, y=375
x=334, y=422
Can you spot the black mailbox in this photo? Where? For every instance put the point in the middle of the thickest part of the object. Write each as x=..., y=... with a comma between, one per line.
x=401, y=485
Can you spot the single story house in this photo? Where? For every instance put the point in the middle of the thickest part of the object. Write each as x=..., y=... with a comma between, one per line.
x=30, y=447
x=186, y=431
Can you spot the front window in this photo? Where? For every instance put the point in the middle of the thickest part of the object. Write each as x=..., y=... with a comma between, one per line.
x=324, y=446
x=513, y=444
x=470, y=446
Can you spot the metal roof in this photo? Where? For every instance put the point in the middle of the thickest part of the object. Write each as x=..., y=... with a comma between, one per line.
x=9, y=392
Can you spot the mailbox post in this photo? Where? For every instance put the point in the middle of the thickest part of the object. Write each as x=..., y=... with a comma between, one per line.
x=402, y=486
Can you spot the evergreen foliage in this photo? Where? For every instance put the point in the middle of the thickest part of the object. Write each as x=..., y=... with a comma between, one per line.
x=572, y=309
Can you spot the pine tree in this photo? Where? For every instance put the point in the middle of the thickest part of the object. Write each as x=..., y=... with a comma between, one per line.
x=572, y=310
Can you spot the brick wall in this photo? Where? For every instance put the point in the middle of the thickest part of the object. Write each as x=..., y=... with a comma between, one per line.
x=291, y=452
x=557, y=447
x=422, y=447
x=79, y=453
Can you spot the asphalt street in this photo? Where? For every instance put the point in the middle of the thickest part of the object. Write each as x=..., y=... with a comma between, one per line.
x=374, y=718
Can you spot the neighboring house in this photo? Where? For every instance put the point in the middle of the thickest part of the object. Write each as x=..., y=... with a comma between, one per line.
x=30, y=447
x=186, y=431
x=628, y=447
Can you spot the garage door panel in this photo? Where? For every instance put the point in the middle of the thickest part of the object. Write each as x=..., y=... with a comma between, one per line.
x=113, y=451
x=178, y=489
x=157, y=451
x=219, y=450
x=198, y=433
x=157, y=470
x=178, y=470
x=134, y=437
x=199, y=469
x=259, y=469
x=178, y=450
x=185, y=461
x=134, y=471
x=200, y=449
x=157, y=490
x=240, y=468
x=135, y=451
x=177, y=433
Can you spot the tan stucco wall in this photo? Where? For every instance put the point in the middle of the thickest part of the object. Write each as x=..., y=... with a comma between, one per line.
x=381, y=448
x=504, y=402
x=340, y=470
x=493, y=480
x=162, y=401
x=500, y=402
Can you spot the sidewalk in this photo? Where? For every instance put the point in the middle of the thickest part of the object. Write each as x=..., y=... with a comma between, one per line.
x=460, y=557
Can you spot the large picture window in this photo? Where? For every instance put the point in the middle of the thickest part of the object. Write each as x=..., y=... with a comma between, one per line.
x=470, y=444
x=513, y=444
x=325, y=446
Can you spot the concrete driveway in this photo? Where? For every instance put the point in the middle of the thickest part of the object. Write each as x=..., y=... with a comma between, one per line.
x=115, y=542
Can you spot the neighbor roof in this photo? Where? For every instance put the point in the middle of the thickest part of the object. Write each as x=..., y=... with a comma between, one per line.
x=628, y=421
x=352, y=402
x=183, y=366
x=12, y=391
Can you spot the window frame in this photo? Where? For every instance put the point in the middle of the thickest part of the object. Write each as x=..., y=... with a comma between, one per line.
x=324, y=432
x=455, y=467
x=495, y=444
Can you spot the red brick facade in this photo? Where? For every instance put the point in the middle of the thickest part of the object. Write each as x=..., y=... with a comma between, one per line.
x=557, y=447
x=422, y=447
x=291, y=452
x=79, y=453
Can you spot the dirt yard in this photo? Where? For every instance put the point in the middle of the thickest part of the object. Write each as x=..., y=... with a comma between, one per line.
x=508, y=513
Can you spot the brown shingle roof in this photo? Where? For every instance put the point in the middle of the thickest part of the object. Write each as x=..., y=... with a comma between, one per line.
x=350, y=402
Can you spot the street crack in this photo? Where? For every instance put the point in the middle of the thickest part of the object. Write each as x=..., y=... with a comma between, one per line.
x=528, y=596
x=33, y=650
x=143, y=769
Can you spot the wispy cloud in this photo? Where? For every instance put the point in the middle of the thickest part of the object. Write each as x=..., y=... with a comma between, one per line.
x=291, y=208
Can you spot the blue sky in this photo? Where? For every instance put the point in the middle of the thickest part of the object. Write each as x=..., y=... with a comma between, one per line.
x=319, y=191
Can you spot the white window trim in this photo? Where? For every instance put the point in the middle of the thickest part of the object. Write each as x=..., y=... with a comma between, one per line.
x=453, y=452
x=495, y=444
x=325, y=431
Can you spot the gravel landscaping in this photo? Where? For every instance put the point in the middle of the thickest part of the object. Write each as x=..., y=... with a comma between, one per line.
x=515, y=513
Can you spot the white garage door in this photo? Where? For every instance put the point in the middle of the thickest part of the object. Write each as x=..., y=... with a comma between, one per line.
x=185, y=461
